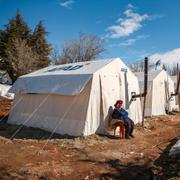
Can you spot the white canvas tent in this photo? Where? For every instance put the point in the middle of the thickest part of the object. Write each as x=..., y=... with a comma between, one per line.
x=160, y=87
x=74, y=98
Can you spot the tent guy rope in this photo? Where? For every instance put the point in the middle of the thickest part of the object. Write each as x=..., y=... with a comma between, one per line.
x=42, y=102
x=58, y=124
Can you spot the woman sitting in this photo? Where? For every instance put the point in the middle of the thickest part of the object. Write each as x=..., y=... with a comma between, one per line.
x=122, y=114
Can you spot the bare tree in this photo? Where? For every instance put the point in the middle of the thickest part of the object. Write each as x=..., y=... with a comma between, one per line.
x=137, y=66
x=85, y=48
x=158, y=63
x=55, y=56
x=175, y=70
x=165, y=67
x=20, y=58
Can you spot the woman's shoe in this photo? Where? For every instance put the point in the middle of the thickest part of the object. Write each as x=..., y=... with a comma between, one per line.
x=127, y=136
x=132, y=135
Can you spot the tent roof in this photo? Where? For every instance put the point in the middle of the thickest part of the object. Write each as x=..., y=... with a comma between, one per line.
x=151, y=75
x=88, y=67
x=68, y=79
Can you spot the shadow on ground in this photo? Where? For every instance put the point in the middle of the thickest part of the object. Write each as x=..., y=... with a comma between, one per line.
x=164, y=167
x=24, y=132
x=130, y=171
x=169, y=165
x=7, y=130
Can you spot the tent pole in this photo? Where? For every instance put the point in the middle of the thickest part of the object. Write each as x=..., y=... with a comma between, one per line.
x=177, y=74
x=168, y=95
x=177, y=70
x=145, y=87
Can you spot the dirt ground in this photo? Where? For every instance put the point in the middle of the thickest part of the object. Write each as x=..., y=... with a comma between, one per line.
x=31, y=156
x=5, y=105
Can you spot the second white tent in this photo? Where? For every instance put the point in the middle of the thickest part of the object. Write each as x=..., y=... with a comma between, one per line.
x=160, y=88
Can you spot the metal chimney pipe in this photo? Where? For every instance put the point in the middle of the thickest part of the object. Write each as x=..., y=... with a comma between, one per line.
x=145, y=87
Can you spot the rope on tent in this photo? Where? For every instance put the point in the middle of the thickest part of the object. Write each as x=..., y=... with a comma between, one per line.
x=14, y=134
x=80, y=115
x=43, y=101
x=11, y=108
x=58, y=124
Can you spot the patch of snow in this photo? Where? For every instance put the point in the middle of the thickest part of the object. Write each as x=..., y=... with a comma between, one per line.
x=4, y=91
x=175, y=149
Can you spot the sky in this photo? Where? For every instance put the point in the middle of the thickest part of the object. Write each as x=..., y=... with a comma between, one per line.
x=130, y=29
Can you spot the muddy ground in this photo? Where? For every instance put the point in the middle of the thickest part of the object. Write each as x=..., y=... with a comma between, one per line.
x=31, y=156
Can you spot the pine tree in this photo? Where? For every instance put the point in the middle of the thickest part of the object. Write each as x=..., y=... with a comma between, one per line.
x=40, y=45
x=16, y=28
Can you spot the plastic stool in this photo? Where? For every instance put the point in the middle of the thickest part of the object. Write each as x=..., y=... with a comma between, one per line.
x=119, y=124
